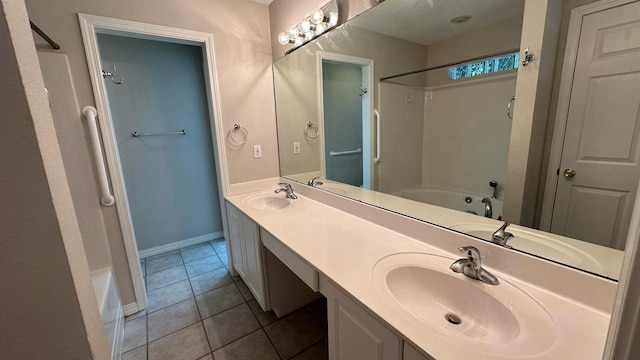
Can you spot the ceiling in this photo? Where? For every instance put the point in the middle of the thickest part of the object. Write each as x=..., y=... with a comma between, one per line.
x=427, y=21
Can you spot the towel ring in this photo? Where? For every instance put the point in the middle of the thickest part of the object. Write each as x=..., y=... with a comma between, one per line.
x=311, y=131
x=244, y=134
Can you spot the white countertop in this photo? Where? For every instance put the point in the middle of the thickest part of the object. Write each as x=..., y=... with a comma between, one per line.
x=599, y=259
x=345, y=248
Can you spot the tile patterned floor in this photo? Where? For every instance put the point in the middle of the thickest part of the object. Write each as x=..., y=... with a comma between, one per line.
x=198, y=311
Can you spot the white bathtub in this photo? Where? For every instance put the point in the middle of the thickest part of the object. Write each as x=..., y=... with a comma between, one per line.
x=466, y=202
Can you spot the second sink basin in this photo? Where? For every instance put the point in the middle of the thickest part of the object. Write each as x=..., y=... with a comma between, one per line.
x=266, y=201
x=494, y=319
x=533, y=243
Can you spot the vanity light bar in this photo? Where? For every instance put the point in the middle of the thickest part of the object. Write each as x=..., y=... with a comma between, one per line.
x=311, y=26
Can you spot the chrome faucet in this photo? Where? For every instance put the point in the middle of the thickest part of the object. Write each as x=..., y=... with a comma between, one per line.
x=287, y=187
x=471, y=266
x=501, y=236
x=314, y=182
x=494, y=185
x=488, y=208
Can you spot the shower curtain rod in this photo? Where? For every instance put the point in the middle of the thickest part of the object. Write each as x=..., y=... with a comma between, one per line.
x=449, y=64
x=42, y=34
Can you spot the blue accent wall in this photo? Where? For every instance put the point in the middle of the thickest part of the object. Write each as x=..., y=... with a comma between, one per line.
x=342, y=121
x=170, y=180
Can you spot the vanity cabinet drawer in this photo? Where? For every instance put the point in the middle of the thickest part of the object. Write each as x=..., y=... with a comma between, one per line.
x=299, y=267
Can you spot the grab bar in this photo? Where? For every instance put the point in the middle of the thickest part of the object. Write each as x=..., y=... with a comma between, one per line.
x=376, y=158
x=348, y=152
x=510, y=107
x=90, y=113
x=180, y=132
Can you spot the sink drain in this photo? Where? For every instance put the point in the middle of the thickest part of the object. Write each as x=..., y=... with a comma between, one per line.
x=453, y=319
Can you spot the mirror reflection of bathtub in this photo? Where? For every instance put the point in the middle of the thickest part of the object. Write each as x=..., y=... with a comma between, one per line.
x=451, y=199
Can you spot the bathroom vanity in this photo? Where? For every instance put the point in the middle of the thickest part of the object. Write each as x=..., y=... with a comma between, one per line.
x=390, y=292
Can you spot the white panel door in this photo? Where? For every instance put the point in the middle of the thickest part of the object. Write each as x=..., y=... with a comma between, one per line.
x=599, y=170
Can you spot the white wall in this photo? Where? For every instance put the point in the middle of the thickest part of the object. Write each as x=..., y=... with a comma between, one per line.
x=49, y=310
x=243, y=59
x=297, y=90
x=533, y=95
x=466, y=133
x=70, y=125
x=402, y=121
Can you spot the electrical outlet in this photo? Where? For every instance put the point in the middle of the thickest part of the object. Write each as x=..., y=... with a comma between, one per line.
x=257, y=151
x=296, y=147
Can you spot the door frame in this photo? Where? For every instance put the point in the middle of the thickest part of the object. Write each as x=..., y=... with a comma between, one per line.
x=367, y=111
x=91, y=25
x=564, y=98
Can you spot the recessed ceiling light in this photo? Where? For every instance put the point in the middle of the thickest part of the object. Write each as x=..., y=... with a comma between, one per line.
x=460, y=19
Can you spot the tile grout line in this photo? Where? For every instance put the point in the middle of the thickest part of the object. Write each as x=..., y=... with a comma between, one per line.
x=245, y=302
x=308, y=347
x=147, y=342
x=193, y=294
x=234, y=340
x=148, y=313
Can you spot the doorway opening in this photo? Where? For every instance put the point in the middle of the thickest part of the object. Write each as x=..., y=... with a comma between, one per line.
x=159, y=111
x=346, y=108
x=158, y=107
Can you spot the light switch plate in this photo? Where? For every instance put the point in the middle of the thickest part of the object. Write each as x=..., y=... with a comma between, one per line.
x=296, y=147
x=257, y=151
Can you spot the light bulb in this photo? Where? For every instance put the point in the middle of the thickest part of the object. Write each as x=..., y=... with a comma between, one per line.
x=308, y=35
x=298, y=41
x=317, y=16
x=292, y=31
x=283, y=38
x=304, y=26
x=320, y=28
x=333, y=19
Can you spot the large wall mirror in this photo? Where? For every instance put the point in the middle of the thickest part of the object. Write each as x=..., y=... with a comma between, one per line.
x=410, y=107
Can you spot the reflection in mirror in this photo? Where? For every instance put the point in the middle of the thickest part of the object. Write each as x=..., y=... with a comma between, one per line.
x=409, y=106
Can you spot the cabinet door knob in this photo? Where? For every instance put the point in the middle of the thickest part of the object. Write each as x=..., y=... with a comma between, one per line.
x=569, y=173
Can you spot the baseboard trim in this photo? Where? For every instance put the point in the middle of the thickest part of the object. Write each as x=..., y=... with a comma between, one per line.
x=130, y=309
x=180, y=244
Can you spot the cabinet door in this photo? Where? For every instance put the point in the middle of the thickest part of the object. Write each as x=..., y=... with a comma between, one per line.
x=235, y=239
x=412, y=354
x=353, y=333
x=254, y=277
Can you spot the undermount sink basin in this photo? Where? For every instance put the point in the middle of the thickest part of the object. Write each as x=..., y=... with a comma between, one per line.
x=545, y=246
x=494, y=319
x=269, y=201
